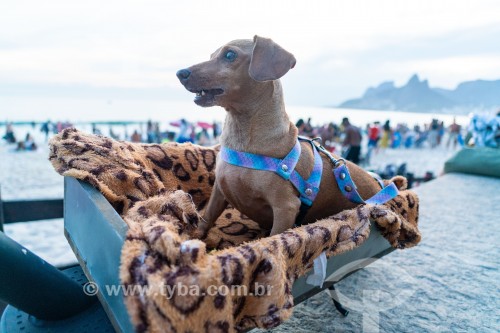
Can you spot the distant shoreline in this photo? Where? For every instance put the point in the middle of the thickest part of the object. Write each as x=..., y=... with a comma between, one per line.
x=138, y=112
x=99, y=122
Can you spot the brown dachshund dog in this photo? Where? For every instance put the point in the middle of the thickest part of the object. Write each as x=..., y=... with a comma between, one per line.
x=243, y=78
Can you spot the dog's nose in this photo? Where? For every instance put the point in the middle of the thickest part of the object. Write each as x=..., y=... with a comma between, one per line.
x=183, y=74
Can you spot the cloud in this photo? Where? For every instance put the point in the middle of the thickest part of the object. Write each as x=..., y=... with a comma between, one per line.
x=141, y=44
x=446, y=72
x=105, y=67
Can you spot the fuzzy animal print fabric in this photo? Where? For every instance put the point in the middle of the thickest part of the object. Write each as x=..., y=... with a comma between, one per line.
x=160, y=190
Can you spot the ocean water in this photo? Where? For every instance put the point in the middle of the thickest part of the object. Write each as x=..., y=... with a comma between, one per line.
x=87, y=110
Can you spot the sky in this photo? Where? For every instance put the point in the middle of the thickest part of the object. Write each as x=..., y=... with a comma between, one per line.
x=131, y=49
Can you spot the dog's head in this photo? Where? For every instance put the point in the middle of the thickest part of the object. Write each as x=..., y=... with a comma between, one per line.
x=237, y=72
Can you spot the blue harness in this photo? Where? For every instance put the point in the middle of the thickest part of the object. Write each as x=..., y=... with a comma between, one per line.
x=308, y=189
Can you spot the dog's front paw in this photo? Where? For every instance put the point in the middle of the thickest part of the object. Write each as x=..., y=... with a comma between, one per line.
x=184, y=208
x=202, y=229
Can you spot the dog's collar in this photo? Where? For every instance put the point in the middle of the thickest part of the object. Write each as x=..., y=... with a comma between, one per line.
x=285, y=168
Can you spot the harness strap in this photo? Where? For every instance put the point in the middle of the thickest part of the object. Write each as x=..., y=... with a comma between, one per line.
x=309, y=188
x=314, y=179
x=285, y=168
x=349, y=189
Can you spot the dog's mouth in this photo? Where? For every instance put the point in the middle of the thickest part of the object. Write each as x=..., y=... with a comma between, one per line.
x=206, y=97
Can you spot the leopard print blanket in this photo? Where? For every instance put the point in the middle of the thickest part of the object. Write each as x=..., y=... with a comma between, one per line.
x=160, y=189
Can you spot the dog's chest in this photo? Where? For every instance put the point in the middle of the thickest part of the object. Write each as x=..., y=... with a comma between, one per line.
x=252, y=192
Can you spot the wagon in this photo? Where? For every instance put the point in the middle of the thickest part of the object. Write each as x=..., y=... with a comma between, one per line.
x=43, y=298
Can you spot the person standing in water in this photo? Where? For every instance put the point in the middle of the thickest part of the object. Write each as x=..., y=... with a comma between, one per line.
x=352, y=141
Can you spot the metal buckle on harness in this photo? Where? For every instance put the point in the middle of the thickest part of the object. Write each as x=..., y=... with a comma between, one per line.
x=338, y=163
x=318, y=139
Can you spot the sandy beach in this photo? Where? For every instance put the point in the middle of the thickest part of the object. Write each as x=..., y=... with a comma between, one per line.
x=447, y=283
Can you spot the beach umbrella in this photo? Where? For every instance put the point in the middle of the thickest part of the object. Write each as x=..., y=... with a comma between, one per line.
x=204, y=125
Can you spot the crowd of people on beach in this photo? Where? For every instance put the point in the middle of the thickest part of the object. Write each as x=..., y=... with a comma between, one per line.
x=29, y=144
x=345, y=139
x=483, y=130
x=201, y=133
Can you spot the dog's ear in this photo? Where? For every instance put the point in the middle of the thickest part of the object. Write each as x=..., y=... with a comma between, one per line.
x=269, y=60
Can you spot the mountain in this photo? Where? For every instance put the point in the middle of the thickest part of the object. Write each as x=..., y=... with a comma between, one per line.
x=417, y=96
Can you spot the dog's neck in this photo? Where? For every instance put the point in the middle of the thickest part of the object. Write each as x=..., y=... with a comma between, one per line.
x=260, y=126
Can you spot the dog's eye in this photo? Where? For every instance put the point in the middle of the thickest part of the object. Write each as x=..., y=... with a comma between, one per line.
x=230, y=55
